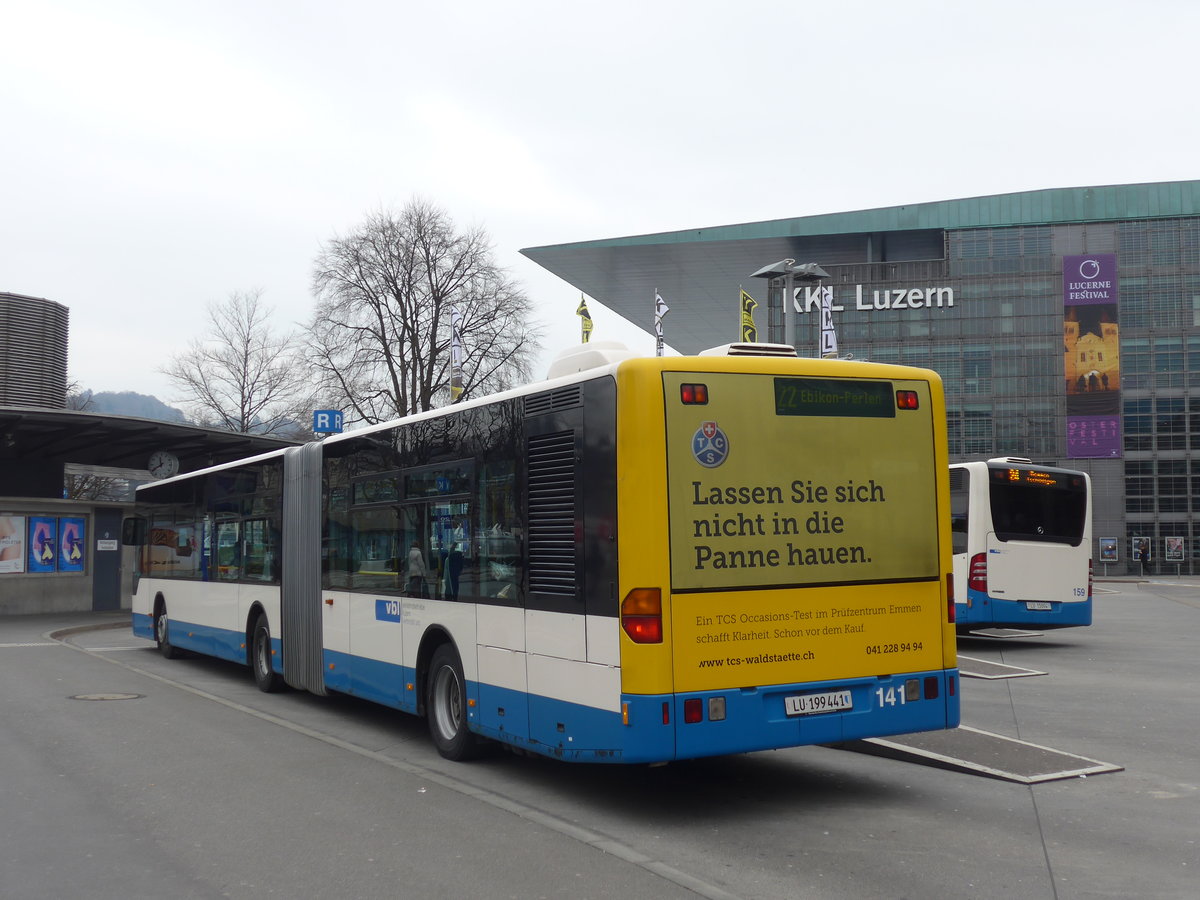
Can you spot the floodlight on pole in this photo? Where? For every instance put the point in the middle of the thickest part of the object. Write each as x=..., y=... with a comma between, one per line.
x=790, y=272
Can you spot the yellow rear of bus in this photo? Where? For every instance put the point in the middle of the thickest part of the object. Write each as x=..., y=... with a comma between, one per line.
x=784, y=553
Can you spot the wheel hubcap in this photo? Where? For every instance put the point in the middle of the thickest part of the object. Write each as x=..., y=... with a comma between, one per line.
x=260, y=652
x=447, y=701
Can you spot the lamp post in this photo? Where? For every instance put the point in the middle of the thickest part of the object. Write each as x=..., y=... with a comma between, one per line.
x=791, y=273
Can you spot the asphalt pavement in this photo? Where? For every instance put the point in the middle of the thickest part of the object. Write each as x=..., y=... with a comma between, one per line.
x=126, y=775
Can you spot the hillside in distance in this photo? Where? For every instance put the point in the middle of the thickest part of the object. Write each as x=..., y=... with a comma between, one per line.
x=130, y=403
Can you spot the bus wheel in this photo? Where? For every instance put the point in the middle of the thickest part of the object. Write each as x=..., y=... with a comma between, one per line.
x=265, y=676
x=446, y=705
x=161, y=634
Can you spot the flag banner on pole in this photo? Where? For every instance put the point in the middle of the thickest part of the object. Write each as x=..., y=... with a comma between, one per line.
x=585, y=321
x=749, y=332
x=829, y=345
x=456, y=384
x=660, y=310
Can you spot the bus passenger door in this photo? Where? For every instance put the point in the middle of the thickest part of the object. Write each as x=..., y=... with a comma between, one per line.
x=383, y=588
x=337, y=559
x=335, y=627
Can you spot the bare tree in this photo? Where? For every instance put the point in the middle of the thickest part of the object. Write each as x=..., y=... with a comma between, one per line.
x=386, y=293
x=89, y=486
x=242, y=376
x=78, y=397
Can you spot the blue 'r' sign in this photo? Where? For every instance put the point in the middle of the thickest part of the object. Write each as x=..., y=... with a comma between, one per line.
x=327, y=421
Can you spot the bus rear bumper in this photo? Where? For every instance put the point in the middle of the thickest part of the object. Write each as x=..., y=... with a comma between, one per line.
x=984, y=611
x=758, y=718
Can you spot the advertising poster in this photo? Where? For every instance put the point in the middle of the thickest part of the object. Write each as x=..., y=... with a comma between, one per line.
x=1174, y=549
x=1108, y=550
x=779, y=483
x=12, y=544
x=1091, y=356
x=71, y=544
x=43, y=544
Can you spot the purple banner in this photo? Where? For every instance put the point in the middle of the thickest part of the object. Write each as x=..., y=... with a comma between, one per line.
x=1092, y=356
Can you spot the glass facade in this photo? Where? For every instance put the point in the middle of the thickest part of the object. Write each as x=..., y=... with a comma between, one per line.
x=984, y=307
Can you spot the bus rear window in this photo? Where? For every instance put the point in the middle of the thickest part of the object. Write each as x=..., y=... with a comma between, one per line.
x=1036, y=510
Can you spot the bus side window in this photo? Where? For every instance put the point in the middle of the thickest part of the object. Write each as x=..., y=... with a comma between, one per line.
x=229, y=551
x=960, y=499
x=133, y=531
x=958, y=534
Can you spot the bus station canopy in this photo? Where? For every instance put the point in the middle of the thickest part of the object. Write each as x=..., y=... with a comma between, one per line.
x=36, y=437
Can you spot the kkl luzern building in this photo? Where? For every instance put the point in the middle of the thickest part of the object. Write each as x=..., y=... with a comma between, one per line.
x=1065, y=325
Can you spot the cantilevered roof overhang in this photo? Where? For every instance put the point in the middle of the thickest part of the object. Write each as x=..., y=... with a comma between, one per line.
x=95, y=439
x=698, y=271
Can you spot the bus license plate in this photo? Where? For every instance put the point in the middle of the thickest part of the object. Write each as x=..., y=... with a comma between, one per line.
x=806, y=704
x=1037, y=604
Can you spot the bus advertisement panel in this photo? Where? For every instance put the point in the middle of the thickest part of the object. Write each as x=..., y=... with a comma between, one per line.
x=779, y=483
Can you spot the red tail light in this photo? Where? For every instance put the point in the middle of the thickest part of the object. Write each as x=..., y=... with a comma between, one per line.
x=693, y=394
x=951, y=614
x=693, y=710
x=907, y=400
x=641, y=615
x=1089, y=581
x=977, y=576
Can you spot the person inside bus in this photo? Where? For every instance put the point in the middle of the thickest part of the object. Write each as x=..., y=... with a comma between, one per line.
x=454, y=565
x=416, y=571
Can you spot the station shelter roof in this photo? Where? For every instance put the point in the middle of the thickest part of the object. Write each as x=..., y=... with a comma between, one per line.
x=29, y=434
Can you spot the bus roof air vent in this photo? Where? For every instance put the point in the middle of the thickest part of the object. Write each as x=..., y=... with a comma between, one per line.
x=1004, y=460
x=591, y=355
x=750, y=350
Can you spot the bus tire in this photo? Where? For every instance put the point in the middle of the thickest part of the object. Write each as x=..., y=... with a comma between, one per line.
x=265, y=677
x=162, y=637
x=446, y=706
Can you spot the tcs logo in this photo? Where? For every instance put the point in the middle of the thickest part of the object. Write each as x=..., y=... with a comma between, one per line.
x=710, y=446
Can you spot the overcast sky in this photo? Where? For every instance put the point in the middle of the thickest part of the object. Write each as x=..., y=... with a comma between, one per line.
x=156, y=155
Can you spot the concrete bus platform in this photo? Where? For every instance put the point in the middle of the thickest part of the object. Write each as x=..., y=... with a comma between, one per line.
x=24, y=630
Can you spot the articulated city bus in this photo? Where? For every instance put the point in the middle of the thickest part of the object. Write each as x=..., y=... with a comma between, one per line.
x=638, y=560
x=1022, y=545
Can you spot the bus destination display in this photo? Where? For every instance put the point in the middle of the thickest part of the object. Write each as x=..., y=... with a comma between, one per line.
x=1030, y=476
x=834, y=397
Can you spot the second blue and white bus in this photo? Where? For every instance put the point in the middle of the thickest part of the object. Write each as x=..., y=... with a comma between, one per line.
x=1022, y=541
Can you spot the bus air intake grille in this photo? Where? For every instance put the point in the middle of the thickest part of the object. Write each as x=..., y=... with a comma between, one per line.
x=553, y=401
x=552, y=544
